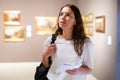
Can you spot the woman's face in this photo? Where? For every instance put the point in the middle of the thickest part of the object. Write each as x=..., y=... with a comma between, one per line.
x=67, y=19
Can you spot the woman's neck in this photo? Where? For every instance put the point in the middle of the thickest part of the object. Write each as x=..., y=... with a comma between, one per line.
x=66, y=36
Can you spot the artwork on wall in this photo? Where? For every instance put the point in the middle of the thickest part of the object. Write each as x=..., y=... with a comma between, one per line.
x=14, y=33
x=100, y=24
x=45, y=25
x=89, y=18
x=83, y=18
x=11, y=17
x=88, y=23
x=88, y=29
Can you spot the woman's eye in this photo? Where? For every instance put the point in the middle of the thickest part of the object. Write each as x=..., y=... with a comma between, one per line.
x=65, y=14
x=61, y=14
x=68, y=15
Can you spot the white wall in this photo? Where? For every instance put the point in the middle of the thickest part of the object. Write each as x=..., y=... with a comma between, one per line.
x=104, y=55
x=22, y=71
x=18, y=70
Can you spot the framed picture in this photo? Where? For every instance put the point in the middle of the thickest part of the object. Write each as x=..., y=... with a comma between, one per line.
x=83, y=18
x=11, y=17
x=89, y=18
x=89, y=29
x=45, y=25
x=88, y=24
x=14, y=33
x=100, y=24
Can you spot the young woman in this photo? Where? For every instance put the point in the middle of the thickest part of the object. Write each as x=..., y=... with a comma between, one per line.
x=72, y=49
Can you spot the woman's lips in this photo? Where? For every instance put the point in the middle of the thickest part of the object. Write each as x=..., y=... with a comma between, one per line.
x=62, y=22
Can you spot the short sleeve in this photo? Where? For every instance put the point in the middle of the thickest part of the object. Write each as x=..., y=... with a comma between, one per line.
x=47, y=42
x=88, y=54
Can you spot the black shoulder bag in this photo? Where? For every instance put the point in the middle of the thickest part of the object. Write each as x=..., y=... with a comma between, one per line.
x=41, y=70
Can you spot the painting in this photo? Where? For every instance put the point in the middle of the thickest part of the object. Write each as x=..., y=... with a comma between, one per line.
x=88, y=23
x=100, y=24
x=88, y=29
x=14, y=33
x=89, y=18
x=11, y=17
x=83, y=18
x=45, y=25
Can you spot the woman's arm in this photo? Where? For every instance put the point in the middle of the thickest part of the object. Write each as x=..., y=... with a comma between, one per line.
x=82, y=70
x=47, y=53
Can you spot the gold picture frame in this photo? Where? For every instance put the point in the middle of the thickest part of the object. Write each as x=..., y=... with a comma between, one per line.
x=89, y=18
x=83, y=18
x=11, y=17
x=88, y=23
x=14, y=33
x=45, y=25
x=100, y=24
x=88, y=29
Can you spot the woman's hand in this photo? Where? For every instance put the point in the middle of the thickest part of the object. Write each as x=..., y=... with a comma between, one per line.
x=82, y=70
x=50, y=51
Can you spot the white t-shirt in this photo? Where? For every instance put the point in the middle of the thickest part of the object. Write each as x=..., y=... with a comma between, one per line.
x=65, y=54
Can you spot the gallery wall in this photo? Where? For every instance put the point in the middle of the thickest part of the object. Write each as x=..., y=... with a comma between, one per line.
x=31, y=48
x=104, y=54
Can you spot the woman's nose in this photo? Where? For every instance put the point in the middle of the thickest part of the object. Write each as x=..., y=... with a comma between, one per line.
x=63, y=16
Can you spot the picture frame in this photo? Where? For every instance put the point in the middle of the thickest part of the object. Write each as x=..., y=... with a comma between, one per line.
x=89, y=29
x=88, y=23
x=12, y=17
x=14, y=33
x=100, y=24
x=45, y=25
x=83, y=18
x=89, y=18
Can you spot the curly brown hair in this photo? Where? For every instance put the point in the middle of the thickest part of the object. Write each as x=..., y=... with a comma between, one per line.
x=78, y=34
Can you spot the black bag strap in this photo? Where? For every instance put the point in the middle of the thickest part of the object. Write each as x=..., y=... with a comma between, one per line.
x=54, y=36
x=41, y=70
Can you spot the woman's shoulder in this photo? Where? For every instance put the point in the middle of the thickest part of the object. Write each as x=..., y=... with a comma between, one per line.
x=88, y=44
x=47, y=42
x=48, y=39
x=88, y=41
